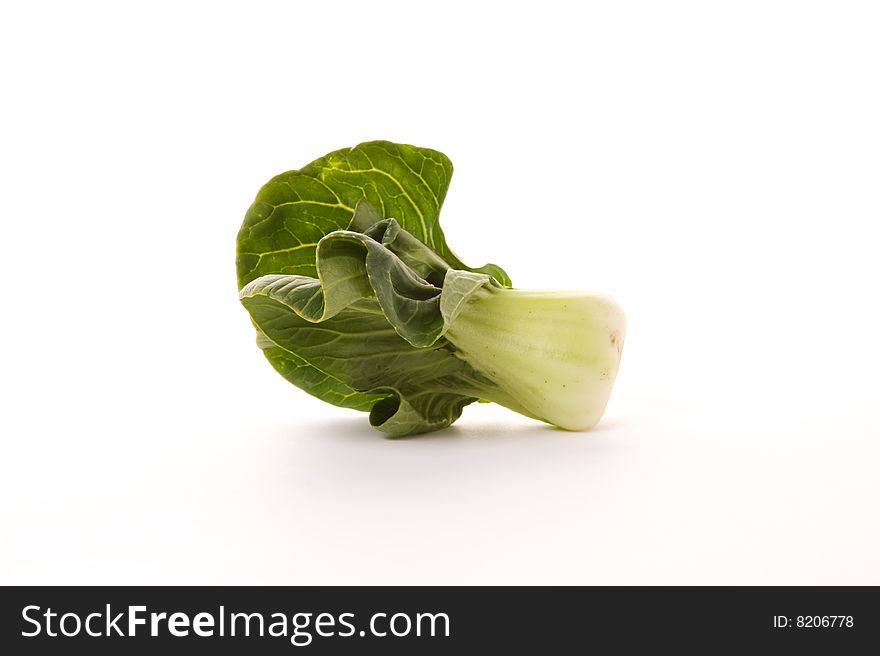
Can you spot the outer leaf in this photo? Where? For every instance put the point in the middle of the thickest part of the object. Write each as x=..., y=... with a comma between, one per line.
x=426, y=388
x=294, y=210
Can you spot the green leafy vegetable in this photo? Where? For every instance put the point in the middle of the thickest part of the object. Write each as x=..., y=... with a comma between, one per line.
x=358, y=300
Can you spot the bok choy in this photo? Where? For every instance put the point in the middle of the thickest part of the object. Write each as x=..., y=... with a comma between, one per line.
x=358, y=300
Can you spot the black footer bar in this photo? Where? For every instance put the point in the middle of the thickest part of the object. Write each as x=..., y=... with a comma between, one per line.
x=429, y=620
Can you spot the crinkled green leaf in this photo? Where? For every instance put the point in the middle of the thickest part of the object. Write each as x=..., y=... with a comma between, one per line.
x=357, y=346
x=295, y=210
x=369, y=322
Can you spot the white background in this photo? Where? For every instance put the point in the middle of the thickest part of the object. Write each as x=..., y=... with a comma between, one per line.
x=714, y=166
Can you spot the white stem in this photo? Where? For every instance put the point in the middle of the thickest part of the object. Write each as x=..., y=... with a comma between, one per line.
x=556, y=354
